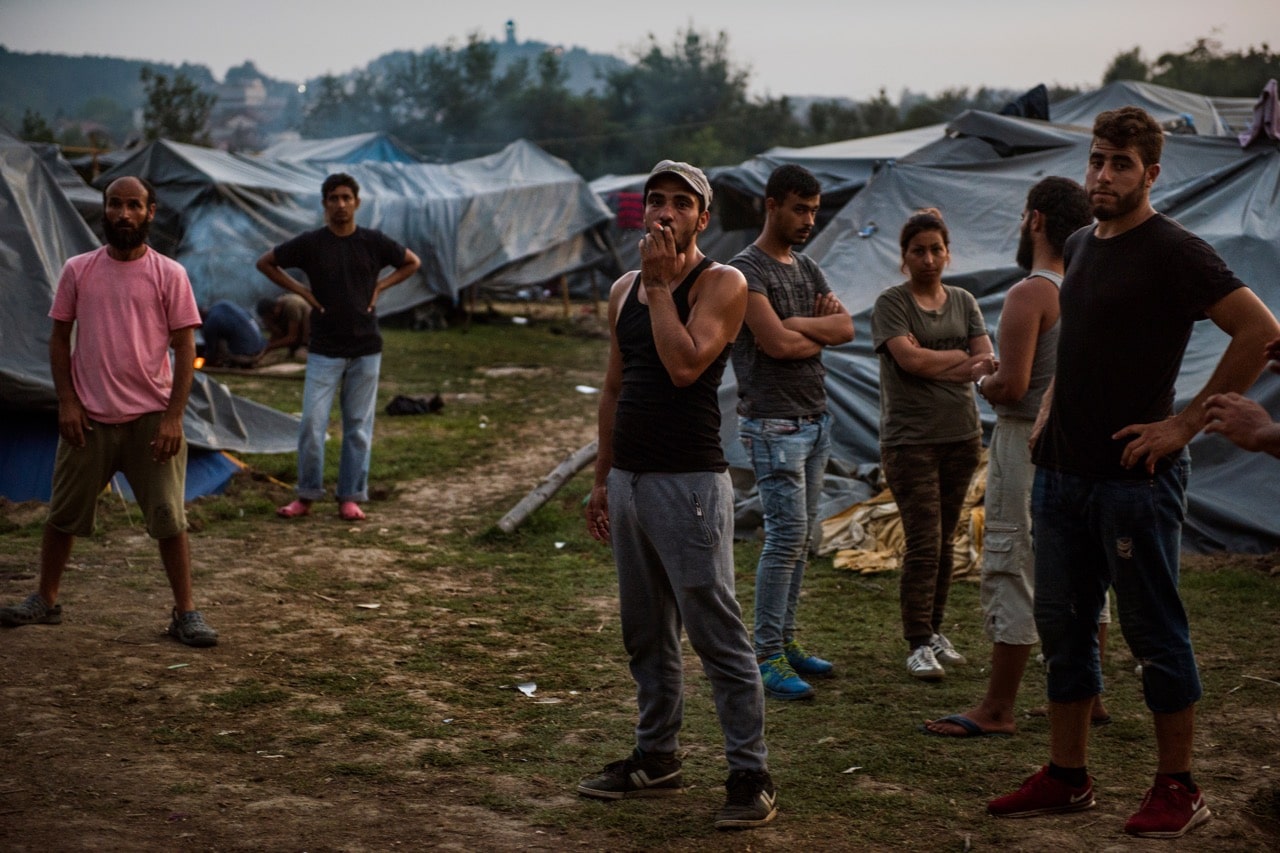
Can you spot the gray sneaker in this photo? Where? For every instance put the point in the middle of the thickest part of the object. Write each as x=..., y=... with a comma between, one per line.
x=32, y=611
x=751, y=801
x=190, y=629
x=639, y=775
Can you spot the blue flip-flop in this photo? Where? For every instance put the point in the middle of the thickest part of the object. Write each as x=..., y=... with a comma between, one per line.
x=971, y=729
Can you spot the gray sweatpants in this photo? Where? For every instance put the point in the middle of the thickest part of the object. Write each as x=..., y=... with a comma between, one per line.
x=673, y=544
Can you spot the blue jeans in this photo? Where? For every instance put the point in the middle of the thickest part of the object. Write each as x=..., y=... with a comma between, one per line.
x=789, y=456
x=1091, y=534
x=358, y=380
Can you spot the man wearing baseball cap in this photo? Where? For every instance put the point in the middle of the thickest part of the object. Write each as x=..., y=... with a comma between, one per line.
x=663, y=499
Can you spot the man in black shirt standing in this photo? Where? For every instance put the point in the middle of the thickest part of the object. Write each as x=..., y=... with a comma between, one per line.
x=342, y=262
x=1110, y=489
x=663, y=499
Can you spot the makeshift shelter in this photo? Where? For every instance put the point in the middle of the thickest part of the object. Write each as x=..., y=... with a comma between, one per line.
x=512, y=219
x=377, y=147
x=1178, y=111
x=978, y=174
x=39, y=230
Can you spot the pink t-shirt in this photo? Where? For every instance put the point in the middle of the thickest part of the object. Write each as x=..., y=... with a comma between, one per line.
x=124, y=312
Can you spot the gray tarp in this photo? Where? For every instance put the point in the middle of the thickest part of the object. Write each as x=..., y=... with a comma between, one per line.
x=1228, y=196
x=507, y=220
x=1209, y=116
x=357, y=148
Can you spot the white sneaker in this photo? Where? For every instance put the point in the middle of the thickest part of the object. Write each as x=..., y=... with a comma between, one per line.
x=922, y=664
x=945, y=652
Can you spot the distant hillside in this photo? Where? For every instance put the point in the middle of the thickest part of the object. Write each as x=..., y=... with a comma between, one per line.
x=98, y=89
x=105, y=92
x=585, y=71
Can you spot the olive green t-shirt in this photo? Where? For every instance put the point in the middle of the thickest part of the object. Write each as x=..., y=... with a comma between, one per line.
x=915, y=410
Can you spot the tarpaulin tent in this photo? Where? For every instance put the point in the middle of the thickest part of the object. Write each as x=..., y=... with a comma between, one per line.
x=1226, y=195
x=39, y=230
x=978, y=175
x=1203, y=115
x=374, y=147
x=514, y=218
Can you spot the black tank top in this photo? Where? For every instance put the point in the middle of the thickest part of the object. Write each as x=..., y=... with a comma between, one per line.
x=659, y=427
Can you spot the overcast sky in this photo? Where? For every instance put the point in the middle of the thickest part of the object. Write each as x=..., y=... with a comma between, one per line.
x=820, y=47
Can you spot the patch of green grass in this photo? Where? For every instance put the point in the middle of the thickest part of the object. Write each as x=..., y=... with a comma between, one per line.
x=183, y=788
x=173, y=736
x=249, y=695
x=471, y=428
x=351, y=769
x=333, y=682
x=313, y=717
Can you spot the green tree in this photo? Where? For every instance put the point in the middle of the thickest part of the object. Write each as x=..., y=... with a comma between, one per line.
x=545, y=112
x=1208, y=70
x=454, y=103
x=175, y=110
x=689, y=98
x=879, y=115
x=1128, y=65
x=35, y=128
x=830, y=121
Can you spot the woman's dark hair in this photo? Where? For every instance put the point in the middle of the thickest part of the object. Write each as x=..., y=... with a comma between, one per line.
x=926, y=219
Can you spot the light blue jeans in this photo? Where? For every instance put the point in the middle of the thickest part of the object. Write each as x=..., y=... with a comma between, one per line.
x=358, y=380
x=789, y=456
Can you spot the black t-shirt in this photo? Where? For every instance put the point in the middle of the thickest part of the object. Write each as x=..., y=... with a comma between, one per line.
x=342, y=272
x=1128, y=305
x=660, y=427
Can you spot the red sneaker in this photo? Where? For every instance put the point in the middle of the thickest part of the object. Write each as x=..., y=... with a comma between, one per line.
x=1168, y=810
x=1042, y=794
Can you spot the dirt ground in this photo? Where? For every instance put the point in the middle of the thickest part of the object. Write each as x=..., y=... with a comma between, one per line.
x=105, y=723
x=83, y=704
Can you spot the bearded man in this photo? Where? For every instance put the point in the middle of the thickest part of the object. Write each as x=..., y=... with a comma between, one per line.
x=120, y=402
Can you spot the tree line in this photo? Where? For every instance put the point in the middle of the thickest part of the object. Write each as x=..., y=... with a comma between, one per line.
x=687, y=99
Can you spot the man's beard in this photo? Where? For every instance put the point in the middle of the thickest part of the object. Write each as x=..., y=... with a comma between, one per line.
x=1026, y=256
x=125, y=239
x=1120, y=206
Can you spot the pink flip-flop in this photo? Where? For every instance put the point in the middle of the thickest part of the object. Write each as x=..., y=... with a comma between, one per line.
x=350, y=511
x=297, y=509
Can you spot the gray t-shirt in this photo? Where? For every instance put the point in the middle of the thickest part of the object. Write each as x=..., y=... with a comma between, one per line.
x=769, y=387
x=915, y=410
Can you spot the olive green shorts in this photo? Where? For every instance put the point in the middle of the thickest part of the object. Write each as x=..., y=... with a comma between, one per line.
x=81, y=473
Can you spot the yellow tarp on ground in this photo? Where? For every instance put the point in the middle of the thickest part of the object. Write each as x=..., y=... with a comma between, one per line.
x=867, y=537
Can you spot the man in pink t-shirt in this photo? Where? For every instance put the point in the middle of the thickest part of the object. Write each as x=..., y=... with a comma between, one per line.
x=120, y=402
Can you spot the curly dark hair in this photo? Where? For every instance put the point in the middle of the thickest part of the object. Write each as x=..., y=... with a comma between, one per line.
x=1131, y=126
